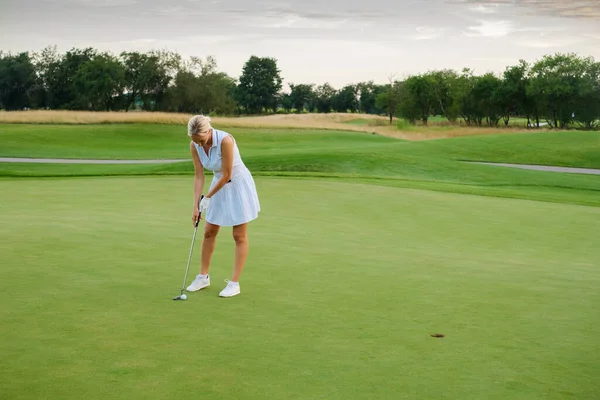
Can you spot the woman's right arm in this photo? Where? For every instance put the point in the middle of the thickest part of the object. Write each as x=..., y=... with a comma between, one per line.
x=198, y=176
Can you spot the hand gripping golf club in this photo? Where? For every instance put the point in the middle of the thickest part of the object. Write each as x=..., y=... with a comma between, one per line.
x=190, y=256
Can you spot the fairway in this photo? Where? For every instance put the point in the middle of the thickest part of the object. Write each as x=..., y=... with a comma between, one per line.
x=352, y=156
x=344, y=285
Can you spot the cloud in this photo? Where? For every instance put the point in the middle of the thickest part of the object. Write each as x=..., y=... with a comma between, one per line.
x=174, y=10
x=292, y=20
x=587, y=9
x=180, y=42
x=548, y=43
x=592, y=36
x=480, y=8
x=492, y=29
x=427, y=32
x=501, y=61
x=541, y=30
x=97, y=3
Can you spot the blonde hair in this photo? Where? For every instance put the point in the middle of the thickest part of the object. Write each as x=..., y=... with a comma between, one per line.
x=198, y=124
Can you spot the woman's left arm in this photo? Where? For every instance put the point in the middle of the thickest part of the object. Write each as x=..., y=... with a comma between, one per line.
x=227, y=165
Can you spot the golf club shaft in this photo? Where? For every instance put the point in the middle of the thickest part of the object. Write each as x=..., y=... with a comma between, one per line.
x=191, y=249
x=189, y=259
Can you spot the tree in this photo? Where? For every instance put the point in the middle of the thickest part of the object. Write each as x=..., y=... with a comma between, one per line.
x=300, y=95
x=563, y=89
x=323, y=98
x=259, y=84
x=185, y=95
x=222, y=89
x=511, y=96
x=420, y=99
x=55, y=76
x=286, y=102
x=367, y=97
x=465, y=101
x=217, y=88
x=443, y=83
x=346, y=99
x=47, y=66
x=100, y=81
x=168, y=64
x=587, y=103
x=556, y=85
x=389, y=99
x=147, y=77
x=68, y=95
x=200, y=88
x=17, y=80
x=485, y=98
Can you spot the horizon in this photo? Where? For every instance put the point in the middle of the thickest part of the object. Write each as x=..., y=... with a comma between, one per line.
x=313, y=42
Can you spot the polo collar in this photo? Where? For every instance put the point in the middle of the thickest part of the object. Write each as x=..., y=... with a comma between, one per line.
x=213, y=135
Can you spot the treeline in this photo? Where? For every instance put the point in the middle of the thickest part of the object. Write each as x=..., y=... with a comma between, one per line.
x=560, y=90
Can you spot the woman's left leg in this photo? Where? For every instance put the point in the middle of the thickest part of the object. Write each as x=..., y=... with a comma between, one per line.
x=241, y=250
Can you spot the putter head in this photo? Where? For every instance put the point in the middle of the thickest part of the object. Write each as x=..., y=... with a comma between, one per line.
x=180, y=297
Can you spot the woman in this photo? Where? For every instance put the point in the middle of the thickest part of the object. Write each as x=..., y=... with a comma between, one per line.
x=231, y=200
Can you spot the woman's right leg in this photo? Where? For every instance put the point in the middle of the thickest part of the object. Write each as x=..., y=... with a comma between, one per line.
x=208, y=246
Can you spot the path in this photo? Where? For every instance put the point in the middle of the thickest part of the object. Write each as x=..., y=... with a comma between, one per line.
x=589, y=171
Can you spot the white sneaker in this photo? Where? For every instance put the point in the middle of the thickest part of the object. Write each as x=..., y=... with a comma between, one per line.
x=199, y=283
x=232, y=289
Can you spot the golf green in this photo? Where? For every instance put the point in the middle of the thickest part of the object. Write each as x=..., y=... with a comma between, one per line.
x=344, y=285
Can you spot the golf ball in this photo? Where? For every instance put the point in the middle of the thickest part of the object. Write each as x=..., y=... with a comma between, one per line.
x=183, y=297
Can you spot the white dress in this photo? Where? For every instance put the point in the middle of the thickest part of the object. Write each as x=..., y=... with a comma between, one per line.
x=237, y=202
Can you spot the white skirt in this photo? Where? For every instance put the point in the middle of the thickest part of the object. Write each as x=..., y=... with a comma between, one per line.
x=237, y=202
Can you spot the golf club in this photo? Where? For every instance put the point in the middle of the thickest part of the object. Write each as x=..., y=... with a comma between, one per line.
x=189, y=258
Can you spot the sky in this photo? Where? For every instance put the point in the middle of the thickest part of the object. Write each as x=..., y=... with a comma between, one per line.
x=314, y=41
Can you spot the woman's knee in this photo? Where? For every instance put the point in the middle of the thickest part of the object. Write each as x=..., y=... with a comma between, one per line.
x=210, y=231
x=239, y=234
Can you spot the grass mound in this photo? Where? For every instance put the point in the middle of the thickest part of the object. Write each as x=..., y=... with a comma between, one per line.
x=435, y=164
x=569, y=149
x=365, y=123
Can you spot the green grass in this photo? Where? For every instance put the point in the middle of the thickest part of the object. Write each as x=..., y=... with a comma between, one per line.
x=558, y=148
x=140, y=141
x=351, y=269
x=101, y=141
x=434, y=165
x=343, y=286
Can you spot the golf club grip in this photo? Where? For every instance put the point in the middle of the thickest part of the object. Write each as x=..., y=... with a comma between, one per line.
x=199, y=213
